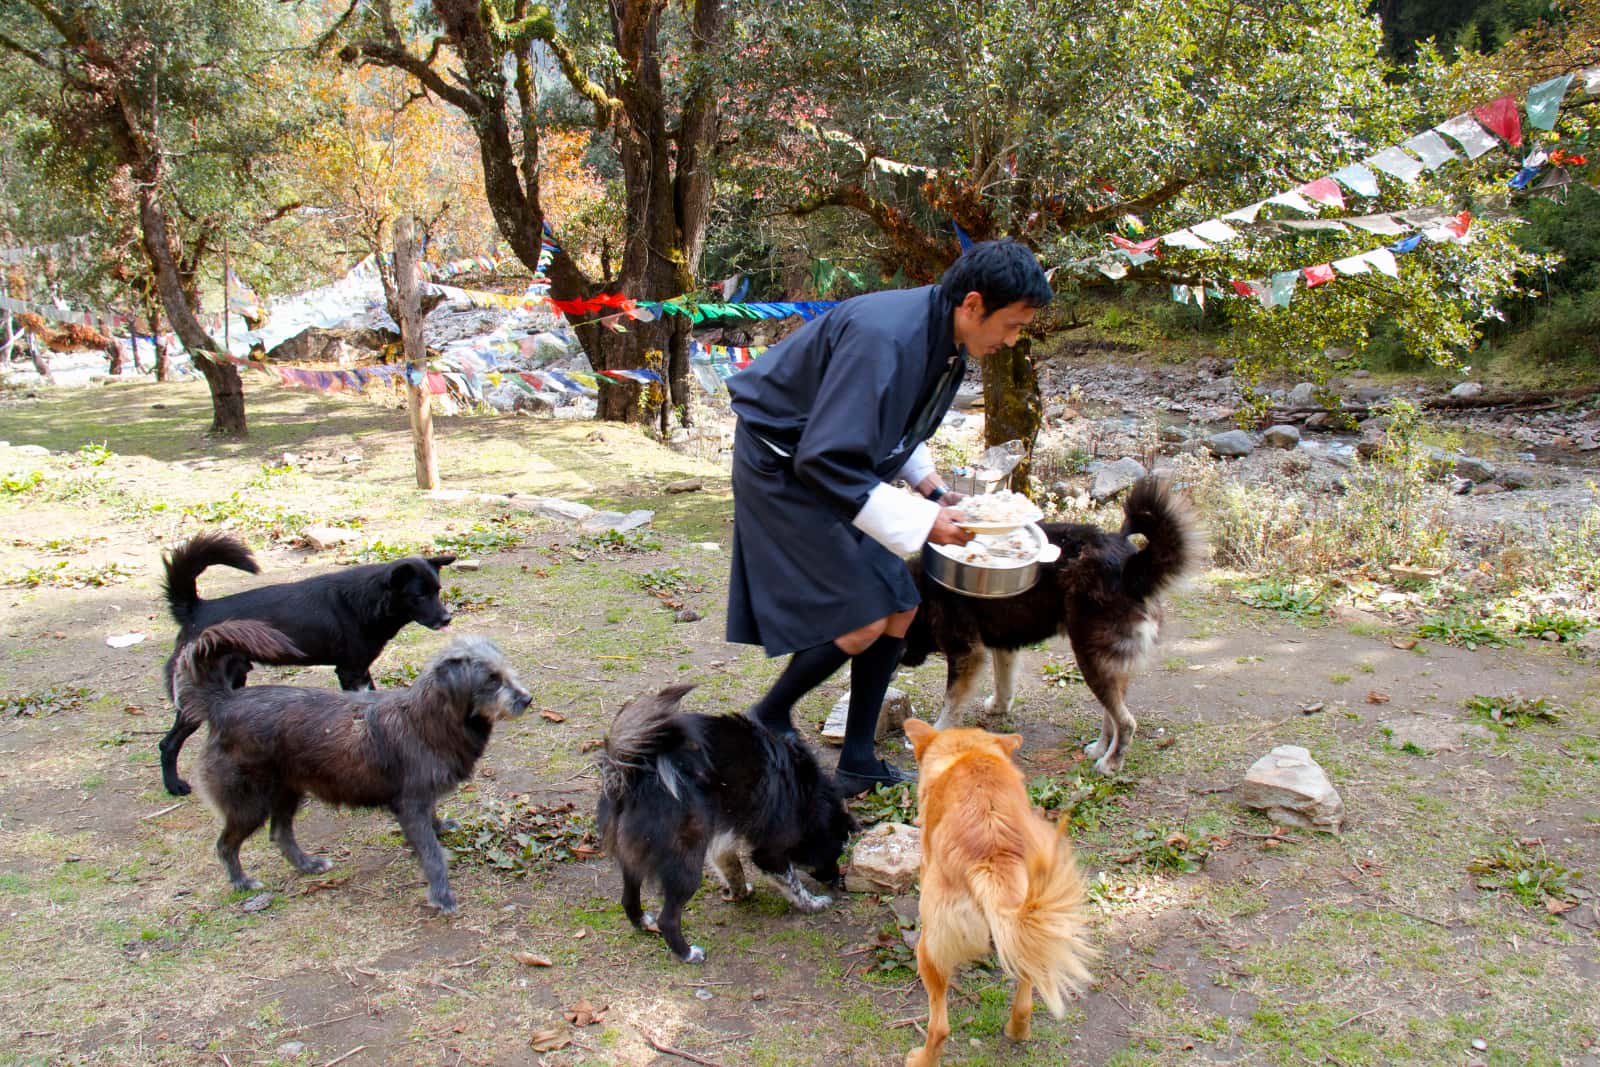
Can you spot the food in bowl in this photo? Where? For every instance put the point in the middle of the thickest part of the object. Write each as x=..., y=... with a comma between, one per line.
x=1002, y=508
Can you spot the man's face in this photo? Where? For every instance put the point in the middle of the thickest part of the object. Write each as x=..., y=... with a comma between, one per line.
x=985, y=334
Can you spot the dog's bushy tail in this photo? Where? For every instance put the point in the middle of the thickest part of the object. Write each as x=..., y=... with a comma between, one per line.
x=1173, y=545
x=644, y=733
x=1034, y=908
x=184, y=564
x=200, y=672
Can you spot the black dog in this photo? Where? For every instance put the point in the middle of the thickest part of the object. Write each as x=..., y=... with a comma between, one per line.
x=676, y=785
x=402, y=749
x=343, y=619
x=1103, y=593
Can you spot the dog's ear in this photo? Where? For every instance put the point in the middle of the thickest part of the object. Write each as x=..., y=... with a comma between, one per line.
x=401, y=572
x=441, y=561
x=920, y=734
x=674, y=694
x=1009, y=743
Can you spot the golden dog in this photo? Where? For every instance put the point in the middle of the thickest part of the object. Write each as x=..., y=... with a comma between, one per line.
x=992, y=872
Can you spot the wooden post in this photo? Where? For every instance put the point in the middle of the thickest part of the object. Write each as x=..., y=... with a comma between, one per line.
x=416, y=352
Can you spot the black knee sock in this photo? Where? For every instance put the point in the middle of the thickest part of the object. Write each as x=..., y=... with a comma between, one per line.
x=807, y=669
x=870, y=673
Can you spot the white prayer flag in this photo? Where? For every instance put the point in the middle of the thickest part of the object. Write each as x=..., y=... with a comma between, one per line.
x=1432, y=148
x=1114, y=270
x=1591, y=81
x=1384, y=225
x=1382, y=260
x=1247, y=215
x=1294, y=200
x=1215, y=230
x=1311, y=224
x=1357, y=179
x=1351, y=265
x=1185, y=239
x=1394, y=161
x=1473, y=138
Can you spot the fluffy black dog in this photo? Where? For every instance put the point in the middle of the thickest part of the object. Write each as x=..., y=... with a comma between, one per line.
x=401, y=749
x=676, y=785
x=342, y=619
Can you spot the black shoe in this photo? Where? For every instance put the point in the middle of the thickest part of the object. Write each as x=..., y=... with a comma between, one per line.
x=853, y=782
x=782, y=728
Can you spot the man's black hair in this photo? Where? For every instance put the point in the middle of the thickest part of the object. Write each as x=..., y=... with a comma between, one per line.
x=1001, y=272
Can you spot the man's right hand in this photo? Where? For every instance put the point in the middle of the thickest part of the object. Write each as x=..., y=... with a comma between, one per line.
x=945, y=531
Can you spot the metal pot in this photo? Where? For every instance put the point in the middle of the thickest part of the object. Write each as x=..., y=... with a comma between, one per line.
x=990, y=583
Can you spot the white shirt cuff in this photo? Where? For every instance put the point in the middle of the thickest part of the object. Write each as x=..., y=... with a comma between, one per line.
x=896, y=520
x=918, y=465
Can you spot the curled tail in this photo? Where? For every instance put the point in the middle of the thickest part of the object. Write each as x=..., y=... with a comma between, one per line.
x=647, y=730
x=184, y=564
x=1173, y=545
x=202, y=669
x=1040, y=937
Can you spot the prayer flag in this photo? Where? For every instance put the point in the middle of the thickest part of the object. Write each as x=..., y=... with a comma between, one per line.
x=1501, y=116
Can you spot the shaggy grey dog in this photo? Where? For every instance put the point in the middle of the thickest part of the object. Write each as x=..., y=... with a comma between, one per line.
x=401, y=749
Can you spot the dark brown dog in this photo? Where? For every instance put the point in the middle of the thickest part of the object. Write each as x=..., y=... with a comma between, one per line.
x=1102, y=593
x=401, y=749
x=343, y=618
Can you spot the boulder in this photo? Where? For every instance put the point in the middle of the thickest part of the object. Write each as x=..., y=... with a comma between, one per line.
x=891, y=717
x=1292, y=789
x=1517, y=478
x=886, y=859
x=1232, y=444
x=1282, y=436
x=616, y=521
x=1319, y=420
x=323, y=538
x=550, y=507
x=1303, y=395
x=1588, y=645
x=1474, y=469
x=1467, y=390
x=1115, y=478
x=342, y=345
x=686, y=485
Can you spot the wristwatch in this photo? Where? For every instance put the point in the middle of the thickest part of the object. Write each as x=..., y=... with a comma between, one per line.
x=938, y=492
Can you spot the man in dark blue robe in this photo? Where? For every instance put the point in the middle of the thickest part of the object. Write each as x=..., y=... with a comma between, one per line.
x=827, y=419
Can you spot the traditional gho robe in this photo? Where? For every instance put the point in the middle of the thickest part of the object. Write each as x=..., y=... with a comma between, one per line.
x=827, y=418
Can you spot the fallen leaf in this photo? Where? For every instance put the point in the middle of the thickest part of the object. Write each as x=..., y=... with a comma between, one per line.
x=319, y=886
x=1556, y=907
x=528, y=959
x=1376, y=697
x=553, y=716
x=133, y=709
x=591, y=744
x=585, y=1014
x=1404, y=644
x=581, y=934
x=549, y=1040
x=1311, y=709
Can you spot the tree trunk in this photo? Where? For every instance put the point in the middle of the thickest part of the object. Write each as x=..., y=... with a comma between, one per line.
x=227, y=390
x=1011, y=407
x=416, y=352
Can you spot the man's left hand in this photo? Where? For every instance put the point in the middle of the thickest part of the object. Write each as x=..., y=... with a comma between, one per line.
x=951, y=498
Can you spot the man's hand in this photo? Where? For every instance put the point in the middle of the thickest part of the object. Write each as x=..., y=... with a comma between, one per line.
x=951, y=498
x=945, y=531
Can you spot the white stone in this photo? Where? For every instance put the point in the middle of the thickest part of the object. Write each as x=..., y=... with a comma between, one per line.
x=886, y=859
x=1303, y=395
x=1115, y=478
x=551, y=507
x=467, y=565
x=1231, y=444
x=1292, y=789
x=707, y=546
x=891, y=717
x=1467, y=390
x=685, y=485
x=323, y=538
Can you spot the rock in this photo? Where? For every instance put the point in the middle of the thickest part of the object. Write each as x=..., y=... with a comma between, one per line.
x=1486, y=488
x=706, y=546
x=886, y=859
x=1588, y=644
x=1292, y=789
x=1517, y=478
x=1431, y=735
x=1369, y=445
x=1467, y=390
x=291, y=1049
x=322, y=538
x=1303, y=395
x=31, y=450
x=686, y=485
x=687, y=615
x=1232, y=444
x=891, y=717
x=467, y=565
x=1360, y=374
x=1282, y=436
x=1321, y=420
x=1114, y=478
x=342, y=345
x=1376, y=424
x=551, y=507
x=1173, y=435
x=603, y=521
x=1475, y=469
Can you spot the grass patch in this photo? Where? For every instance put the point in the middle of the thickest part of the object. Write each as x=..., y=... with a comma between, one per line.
x=1290, y=597
x=1458, y=628
x=1523, y=868
x=43, y=702
x=1514, y=711
x=517, y=836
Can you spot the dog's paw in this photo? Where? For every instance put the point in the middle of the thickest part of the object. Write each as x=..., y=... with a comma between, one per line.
x=1109, y=764
x=991, y=704
x=445, y=826
x=733, y=896
x=1018, y=1030
x=1095, y=749
x=813, y=904
x=696, y=955
x=315, y=865
x=248, y=885
x=179, y=788
x=647, y=922
x=917, y=1058
x=947, y=721
x=445, y=902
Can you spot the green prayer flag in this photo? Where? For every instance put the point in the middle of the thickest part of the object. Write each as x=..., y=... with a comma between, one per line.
x=1544, y=101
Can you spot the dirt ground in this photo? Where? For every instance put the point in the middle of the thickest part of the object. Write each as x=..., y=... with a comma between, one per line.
x=1224, y=939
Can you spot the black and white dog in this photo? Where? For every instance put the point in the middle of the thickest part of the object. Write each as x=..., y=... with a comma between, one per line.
x=402, y=749
x=675, y=786
x=342, y=619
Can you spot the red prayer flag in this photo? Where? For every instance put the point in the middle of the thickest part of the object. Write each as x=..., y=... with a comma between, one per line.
x=1315, y=276
x=1134, y=247
x=1502, y=117
x=1245, y=288
x=1460, y=224
x=1324, y=191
